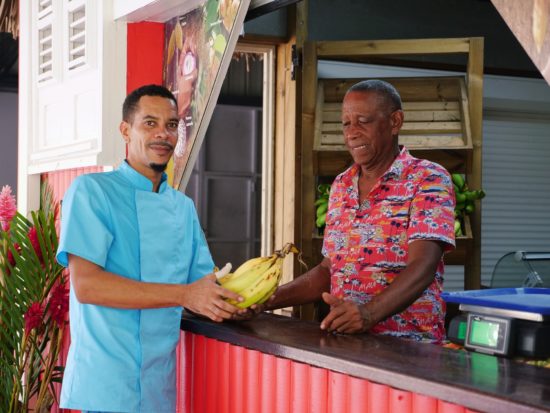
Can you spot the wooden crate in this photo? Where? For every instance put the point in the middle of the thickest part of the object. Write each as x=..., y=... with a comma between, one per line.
x=435, y=108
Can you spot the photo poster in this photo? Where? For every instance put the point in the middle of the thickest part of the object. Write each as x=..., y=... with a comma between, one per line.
x=198, y=48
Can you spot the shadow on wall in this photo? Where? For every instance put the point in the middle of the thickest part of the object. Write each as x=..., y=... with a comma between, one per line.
x=8, y=140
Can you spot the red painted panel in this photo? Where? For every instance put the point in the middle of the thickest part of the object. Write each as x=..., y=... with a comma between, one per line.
x=282, y=386
x=268, y=380
x=378, y=398
x=236, y=371
x=222, y=379
x=400, y=401
x=199, y=375
x=337, y=400
x=210, y=376
x=251, y=380
x=444, y=407
x=423, y=404
x=145, y=51
x=358, y=394
x=300, y=388
x=187, y=371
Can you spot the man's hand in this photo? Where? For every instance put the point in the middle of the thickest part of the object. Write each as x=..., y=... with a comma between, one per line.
x=345, y=316
x=207, y=298
x=250, y=312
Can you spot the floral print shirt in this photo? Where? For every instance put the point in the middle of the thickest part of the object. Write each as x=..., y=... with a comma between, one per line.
x=368, y=244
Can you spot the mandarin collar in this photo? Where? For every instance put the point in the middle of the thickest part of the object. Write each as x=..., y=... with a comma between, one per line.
x=137, y=180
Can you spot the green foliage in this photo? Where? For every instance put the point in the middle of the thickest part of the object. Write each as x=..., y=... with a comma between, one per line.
x=28, y=359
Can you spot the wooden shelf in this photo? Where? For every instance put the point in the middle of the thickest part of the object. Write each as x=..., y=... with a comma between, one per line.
x=443, y=123
x=436, y=113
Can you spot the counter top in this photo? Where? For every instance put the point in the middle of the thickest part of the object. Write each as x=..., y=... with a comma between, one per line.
x=476, y=381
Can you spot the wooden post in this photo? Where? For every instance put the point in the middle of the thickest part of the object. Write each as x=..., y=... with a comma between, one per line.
x=472, y=266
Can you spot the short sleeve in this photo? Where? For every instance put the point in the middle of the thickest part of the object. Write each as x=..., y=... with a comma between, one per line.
x=202, y=263
x=432, y=210
x=85, y=223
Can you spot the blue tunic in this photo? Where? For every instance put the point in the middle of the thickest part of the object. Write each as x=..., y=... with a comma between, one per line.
x=124, y=360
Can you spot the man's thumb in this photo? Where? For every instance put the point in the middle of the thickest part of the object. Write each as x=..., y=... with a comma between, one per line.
x=330, y=299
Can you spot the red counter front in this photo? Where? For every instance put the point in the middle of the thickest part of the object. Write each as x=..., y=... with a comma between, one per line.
x=279, y=365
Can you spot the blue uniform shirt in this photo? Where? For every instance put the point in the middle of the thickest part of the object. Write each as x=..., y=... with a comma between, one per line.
x=124, y=360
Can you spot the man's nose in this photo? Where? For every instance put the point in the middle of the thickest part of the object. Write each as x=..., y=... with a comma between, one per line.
x=163, y=132
x=350, y=132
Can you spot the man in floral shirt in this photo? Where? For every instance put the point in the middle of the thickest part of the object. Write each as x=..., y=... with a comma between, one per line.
x=390, y=220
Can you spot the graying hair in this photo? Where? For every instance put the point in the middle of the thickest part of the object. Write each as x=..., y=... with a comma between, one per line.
x=384, y=89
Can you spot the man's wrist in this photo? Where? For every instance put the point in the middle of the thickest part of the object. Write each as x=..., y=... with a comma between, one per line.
x=367, y=317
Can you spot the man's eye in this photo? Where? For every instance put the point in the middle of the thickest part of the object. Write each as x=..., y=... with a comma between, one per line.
x=173, y=125
x=363, y=120
x=150, y=123
x=345, y=124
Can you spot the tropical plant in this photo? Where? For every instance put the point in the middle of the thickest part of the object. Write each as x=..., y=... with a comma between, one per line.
x=33, y=306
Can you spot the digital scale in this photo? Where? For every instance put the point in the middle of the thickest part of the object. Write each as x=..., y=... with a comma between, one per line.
x=502, y=321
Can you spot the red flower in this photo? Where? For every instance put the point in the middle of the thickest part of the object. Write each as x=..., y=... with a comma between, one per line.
x=33, y=317
x=11, y=258
x=7, y=207
x=59, y=304
x=33, y=237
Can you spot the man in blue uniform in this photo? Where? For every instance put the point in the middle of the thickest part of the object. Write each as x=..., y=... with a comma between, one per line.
x=136, y=255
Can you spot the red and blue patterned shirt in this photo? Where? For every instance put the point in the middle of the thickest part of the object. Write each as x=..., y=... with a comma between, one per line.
x=368, y=244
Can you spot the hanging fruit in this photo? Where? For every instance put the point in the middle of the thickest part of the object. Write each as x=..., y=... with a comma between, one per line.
x=465, y=201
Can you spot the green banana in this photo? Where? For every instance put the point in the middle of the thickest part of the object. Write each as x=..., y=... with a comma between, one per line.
x=460, y=197
x=321, y=210
x=321, y=200
x=321, y=221
x=458, y=228
x=458, y=180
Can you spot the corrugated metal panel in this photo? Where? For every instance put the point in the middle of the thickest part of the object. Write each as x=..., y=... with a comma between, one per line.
x=516, y=178
x=218, y=377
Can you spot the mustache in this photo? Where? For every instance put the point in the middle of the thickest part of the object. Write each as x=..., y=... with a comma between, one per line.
x=162, y=143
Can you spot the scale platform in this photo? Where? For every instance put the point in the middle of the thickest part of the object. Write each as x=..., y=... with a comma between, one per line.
x=502, y=321
x=531, y=304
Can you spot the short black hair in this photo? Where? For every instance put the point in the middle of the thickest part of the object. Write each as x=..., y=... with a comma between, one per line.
x=384, y=89
x=131, y=102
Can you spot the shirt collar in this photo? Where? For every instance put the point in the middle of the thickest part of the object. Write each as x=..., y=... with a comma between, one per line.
x=395, y=170
x=138, y=180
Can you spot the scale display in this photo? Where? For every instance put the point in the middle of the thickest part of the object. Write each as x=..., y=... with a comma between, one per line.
x=488, y=334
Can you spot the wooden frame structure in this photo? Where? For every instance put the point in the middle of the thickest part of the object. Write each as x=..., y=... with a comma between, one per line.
x=318, y=158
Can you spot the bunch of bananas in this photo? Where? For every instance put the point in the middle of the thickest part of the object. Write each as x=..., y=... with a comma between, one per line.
x=256, y=279
x=465, y=201
x=321, y=205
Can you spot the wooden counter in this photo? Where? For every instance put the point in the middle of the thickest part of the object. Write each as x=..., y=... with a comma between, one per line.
x=468, y=380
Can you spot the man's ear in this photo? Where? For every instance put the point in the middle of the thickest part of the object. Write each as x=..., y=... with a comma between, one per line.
x=124, y=129
x=397, y=119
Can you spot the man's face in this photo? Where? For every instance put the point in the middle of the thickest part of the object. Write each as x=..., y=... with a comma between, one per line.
x=151, y=134
x=369, y=126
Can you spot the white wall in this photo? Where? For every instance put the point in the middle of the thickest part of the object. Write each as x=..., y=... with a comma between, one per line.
x=8, y=139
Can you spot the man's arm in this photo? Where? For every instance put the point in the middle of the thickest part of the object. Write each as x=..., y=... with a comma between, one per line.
x=406, y=288
x=93, y=285
x=305, y=289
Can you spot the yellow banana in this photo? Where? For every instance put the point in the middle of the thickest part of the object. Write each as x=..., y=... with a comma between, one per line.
x=258, y=289
x=257, y=279
x=237, y=283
